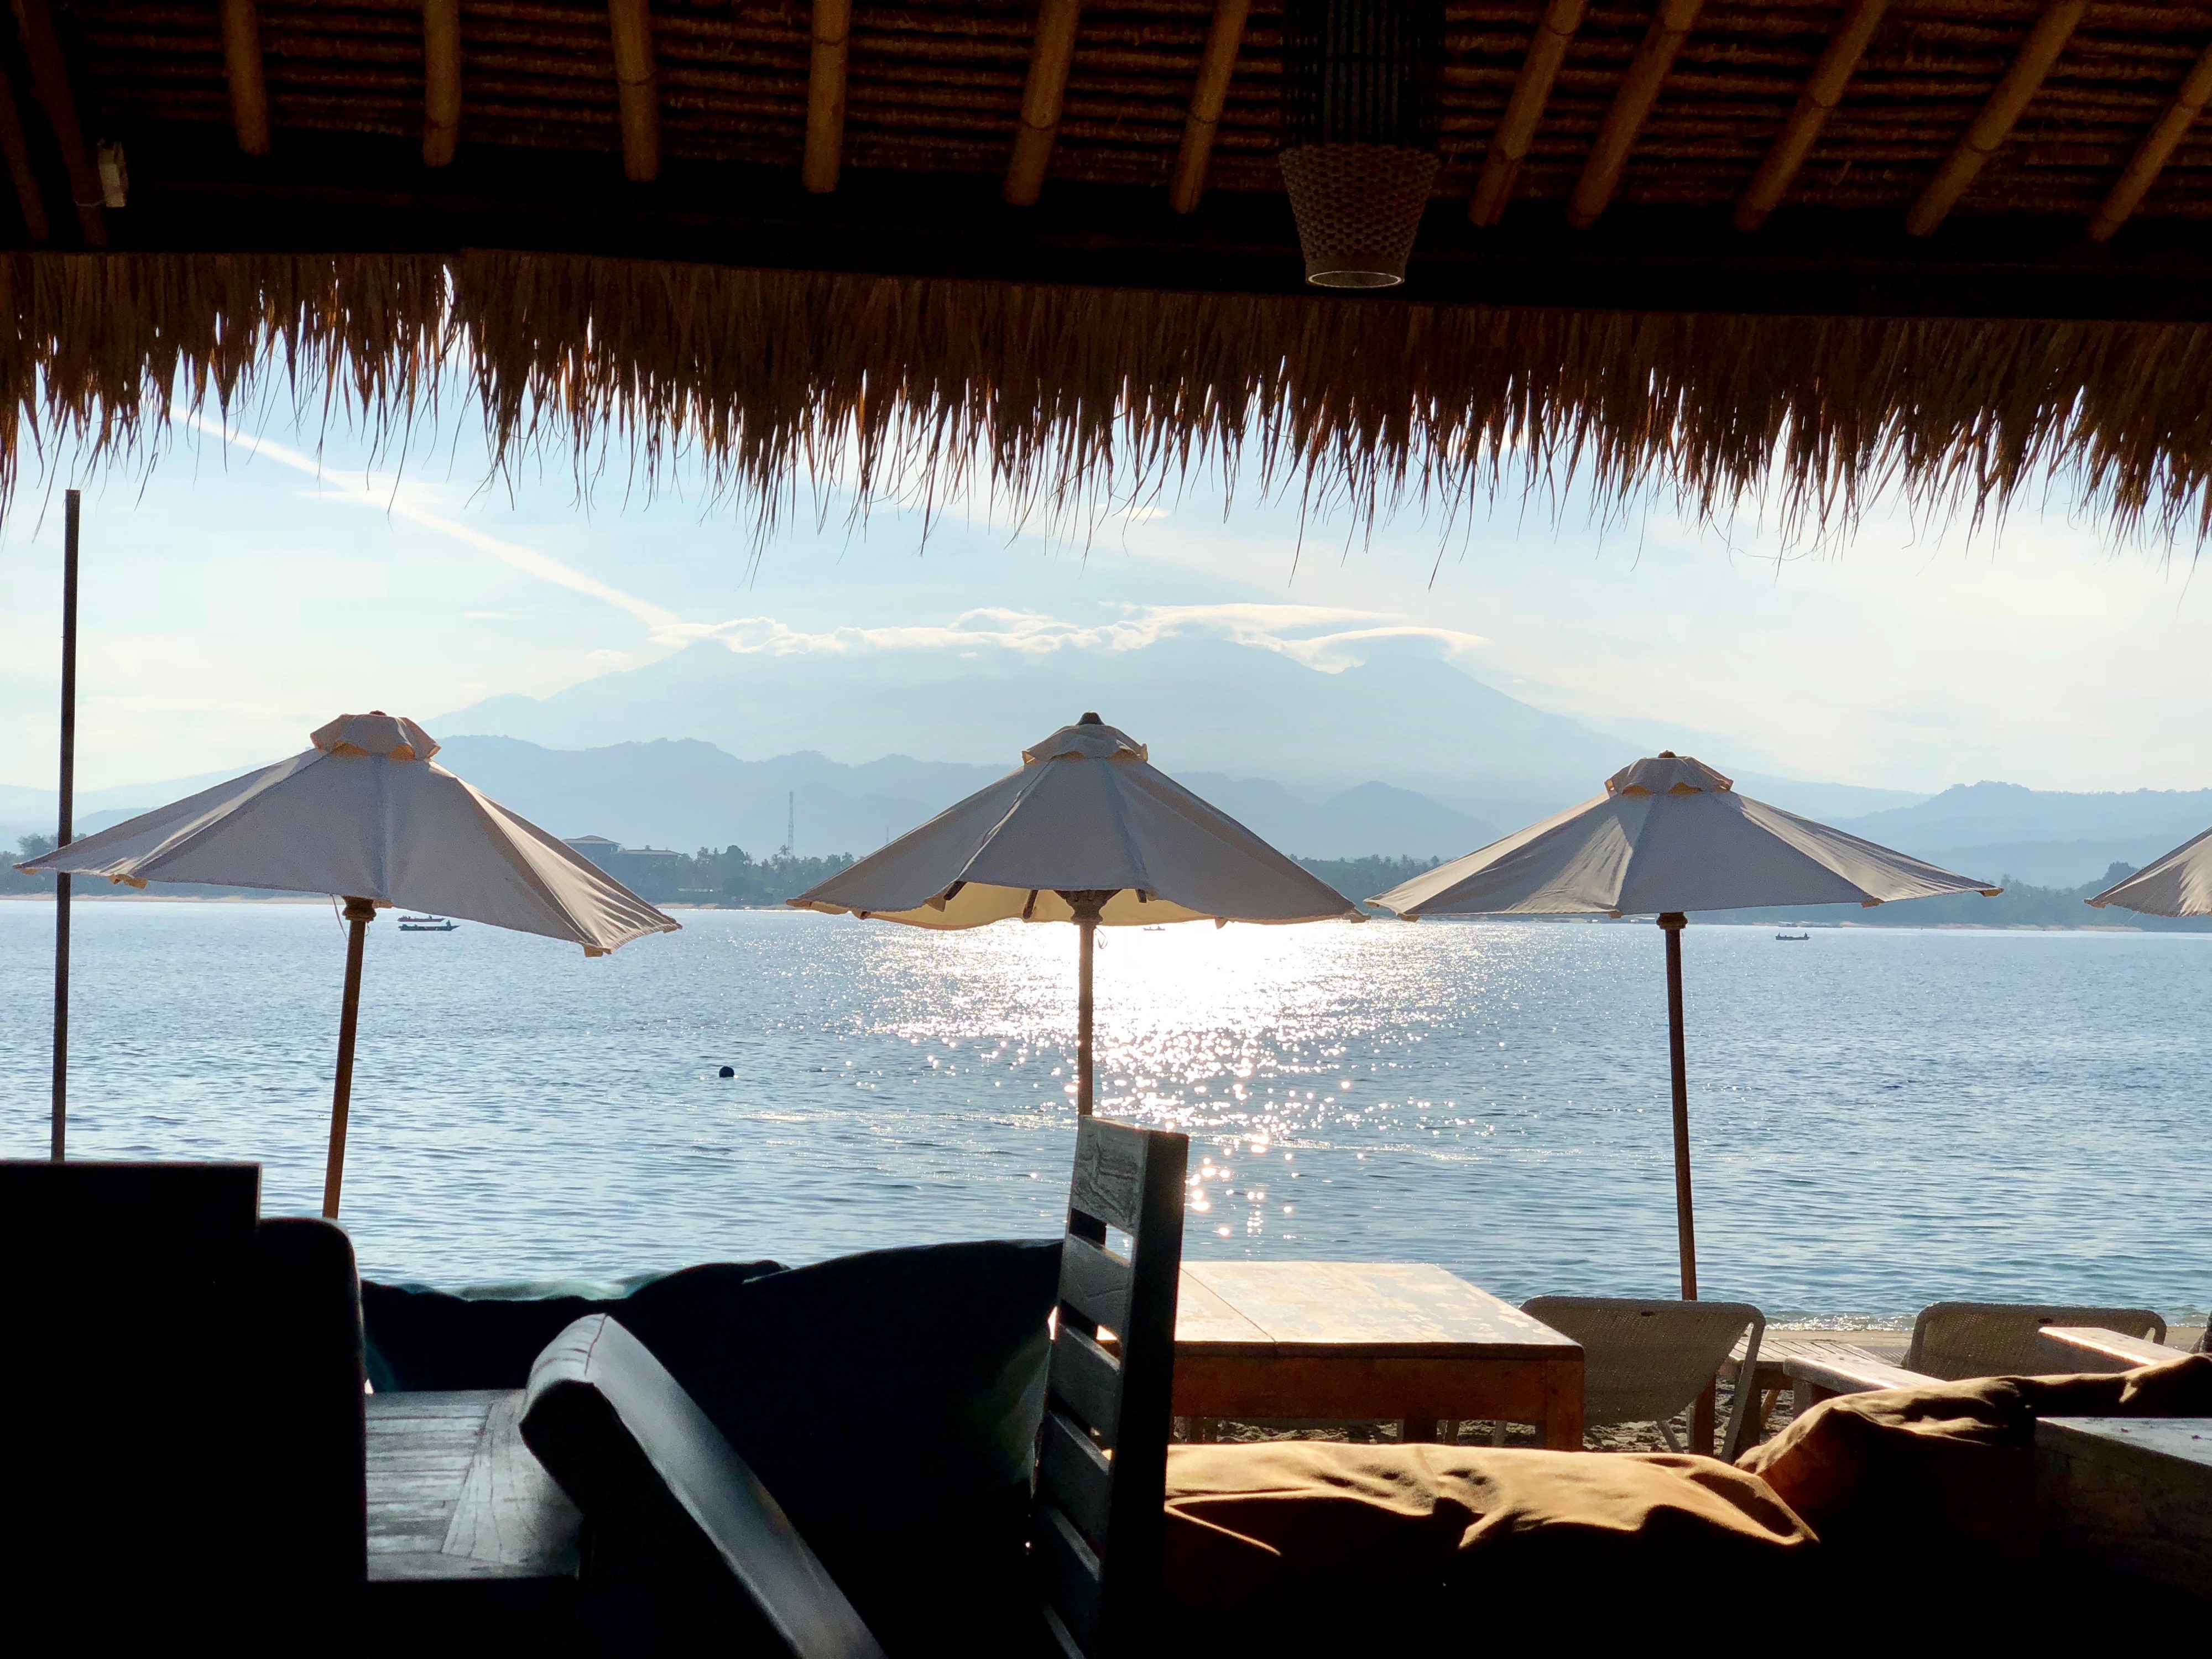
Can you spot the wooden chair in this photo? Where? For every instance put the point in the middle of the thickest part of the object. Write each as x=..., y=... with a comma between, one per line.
x=1102, y=1456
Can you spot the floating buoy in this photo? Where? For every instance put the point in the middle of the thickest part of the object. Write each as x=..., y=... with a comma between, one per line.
x=727, y=1071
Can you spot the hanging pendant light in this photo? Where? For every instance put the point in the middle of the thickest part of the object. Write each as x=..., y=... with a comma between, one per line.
x=1359, y=132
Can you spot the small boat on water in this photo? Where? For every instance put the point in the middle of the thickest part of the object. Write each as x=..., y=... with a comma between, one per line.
x=1793, y=938
x=427, y=924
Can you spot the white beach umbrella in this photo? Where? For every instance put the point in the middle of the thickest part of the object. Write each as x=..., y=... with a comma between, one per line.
x=366, y=815
x=2177, y=884
x=1087, y=831
x=1668, y=835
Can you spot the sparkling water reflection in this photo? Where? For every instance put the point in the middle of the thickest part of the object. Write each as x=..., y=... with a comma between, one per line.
x=1881, y=1117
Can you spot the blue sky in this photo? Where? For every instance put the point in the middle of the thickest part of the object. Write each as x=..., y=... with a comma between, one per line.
x=238, y=593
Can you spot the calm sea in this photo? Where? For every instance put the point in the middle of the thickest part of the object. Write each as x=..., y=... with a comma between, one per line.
x=1882, y=1118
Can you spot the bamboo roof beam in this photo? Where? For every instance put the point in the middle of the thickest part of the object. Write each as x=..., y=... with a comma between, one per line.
x=15, y=146
x=1823, y=91
x=2143, y=168
x=1218, y=63
x=50, y=80
x=1041, y=98
x=825, y=97
x=1524, y=110
x=1639, y=89
x=242, y=68
x=637, y=87
x=441, y=81
x=1998, y=116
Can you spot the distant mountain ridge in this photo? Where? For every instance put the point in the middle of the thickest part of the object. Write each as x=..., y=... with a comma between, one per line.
x=2044, y=837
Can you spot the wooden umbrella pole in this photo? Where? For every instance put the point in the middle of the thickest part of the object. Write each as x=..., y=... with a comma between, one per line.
x=1672, y=924
x=1088, y=926
x=359, y=913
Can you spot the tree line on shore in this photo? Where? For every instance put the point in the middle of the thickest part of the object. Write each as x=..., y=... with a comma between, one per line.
x=732, y=877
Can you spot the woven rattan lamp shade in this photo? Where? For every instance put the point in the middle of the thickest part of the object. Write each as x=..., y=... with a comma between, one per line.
x=1359, y=130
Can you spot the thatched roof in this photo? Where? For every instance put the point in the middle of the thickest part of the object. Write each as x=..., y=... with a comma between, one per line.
x=1813, y=245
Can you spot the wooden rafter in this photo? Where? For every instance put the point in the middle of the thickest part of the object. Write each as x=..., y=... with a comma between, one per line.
x=637, y=87
x=50, y=80
x=15, y=146
x=242, y=68
x=1218, y=64
x=1516, y=128
x=1632, y=105
x=825, y=96
x=1997, y=117
x=441, y=81
x=2144, y=166
x=1823, y=91
x=1042, y=97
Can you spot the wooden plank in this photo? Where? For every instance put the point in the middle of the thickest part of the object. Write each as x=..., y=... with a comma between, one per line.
x=825, y=96
x=1824, y=90
x=1095, y=1283
x=15, y=145
x=2066, y=1350
x=441, y=81
x=1998, y=116
x=1074, y=1475
x=1072, y=1574
x=1050, y=54
x=1215, y=67
x=1819, y=1378
x=50, y=80
x=1108, y=1183
x=2150, y=158
x=637, y=87
x=510, y=1511
x=1088, y=1380
x=1204, y=1319
x=1632, y=105
x=2131, y=1494
x=1378, y=1308
x=468, y=1405
x=1524, y=110
x=1353, y=1389
x=1562, y=1426
x=243, y=72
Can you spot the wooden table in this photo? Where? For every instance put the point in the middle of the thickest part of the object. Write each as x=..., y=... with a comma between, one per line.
x=1353, y=1341
x=468, y=1535
x=2132, y=1494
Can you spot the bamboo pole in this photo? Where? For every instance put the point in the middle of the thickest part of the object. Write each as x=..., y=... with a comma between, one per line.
x=441, y=81
x=1824, y=90
x=1632, y=106
x=15, y=145
x=359, y=913
x=825, y=96
x=1215, y=66
x=49, y=79
x=2143, y=168
x=66, y=831
x=242, y=68
x=1517, y=128
x=1998, y=116
x=1042, y=96
x=637, y=87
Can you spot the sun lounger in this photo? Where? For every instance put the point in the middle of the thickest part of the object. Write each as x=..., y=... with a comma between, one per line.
x=2063, y=1350
x=1955, y=1340
x=1647, y=1362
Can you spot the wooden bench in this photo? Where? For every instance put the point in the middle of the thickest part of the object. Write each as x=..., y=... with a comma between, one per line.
x=2067, y=1350
x=1815, y=1377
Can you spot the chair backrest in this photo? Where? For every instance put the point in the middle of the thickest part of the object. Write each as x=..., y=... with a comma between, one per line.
x=1958, y=1340
x=1643, y=1362
x=1102, y=1456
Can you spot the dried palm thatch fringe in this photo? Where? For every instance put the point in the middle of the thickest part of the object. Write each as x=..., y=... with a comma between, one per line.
x=1063, y=398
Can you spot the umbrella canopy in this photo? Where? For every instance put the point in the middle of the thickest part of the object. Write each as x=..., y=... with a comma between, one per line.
x=2177, y=884
x=1087, y=813
x=1670, y=834
x=1087, y=831
x=366, y=814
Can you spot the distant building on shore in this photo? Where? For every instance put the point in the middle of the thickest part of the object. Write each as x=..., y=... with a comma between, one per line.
x=598, y=849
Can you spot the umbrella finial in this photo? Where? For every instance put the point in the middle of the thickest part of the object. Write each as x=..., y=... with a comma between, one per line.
x=1090, y=718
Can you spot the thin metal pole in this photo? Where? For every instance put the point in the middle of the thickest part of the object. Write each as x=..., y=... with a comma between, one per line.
x=1672, y=924
x=1088, y=926
x=66, y=831
x=359, y=913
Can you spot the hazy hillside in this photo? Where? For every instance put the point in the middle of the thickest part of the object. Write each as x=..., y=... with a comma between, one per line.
x=2046, y=837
